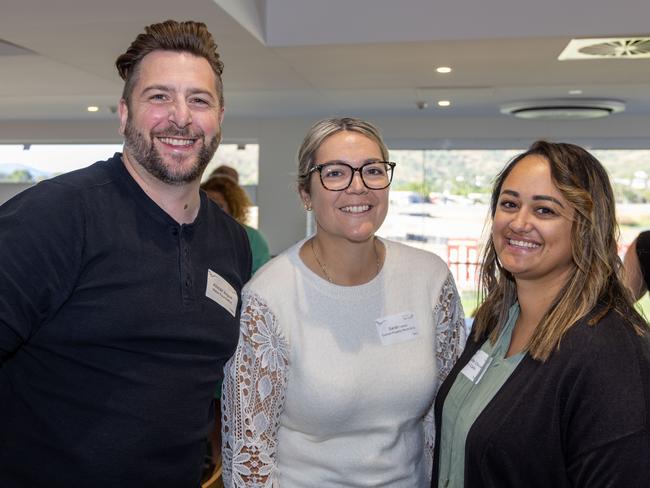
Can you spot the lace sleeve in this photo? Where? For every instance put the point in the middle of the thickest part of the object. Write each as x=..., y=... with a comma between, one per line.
x=450, y=328
x=449, y=320
x=253, y=397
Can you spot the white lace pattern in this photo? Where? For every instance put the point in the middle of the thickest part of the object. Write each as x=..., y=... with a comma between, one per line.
x=450, y=336
x=253, y=393
x=256, y=378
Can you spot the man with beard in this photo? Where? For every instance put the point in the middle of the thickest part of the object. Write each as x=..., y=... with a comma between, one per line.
x=120, y=289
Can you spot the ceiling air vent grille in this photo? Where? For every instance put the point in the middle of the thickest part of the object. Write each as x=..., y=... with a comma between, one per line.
x=609, y=48
x=618, y=49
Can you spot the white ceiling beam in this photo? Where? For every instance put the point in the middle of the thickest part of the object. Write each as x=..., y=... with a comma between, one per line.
x=251, y=15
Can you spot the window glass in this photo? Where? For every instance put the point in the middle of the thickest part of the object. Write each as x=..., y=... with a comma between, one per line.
x=439, y=202
x=23, y=165
x=31, y=163
x=245, y=159
x=35, y=162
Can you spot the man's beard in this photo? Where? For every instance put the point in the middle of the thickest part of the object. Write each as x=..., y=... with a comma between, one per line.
x=150, y=159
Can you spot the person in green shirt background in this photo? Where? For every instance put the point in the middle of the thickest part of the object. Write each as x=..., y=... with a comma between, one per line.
x=224, y=190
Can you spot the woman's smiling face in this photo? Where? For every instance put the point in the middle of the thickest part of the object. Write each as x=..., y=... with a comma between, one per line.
x=356, y=213
x=532, y=224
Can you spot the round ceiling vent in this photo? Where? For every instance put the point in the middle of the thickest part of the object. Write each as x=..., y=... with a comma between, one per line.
x=563, y=108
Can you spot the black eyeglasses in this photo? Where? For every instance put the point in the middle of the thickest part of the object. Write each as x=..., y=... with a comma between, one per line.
x=337, y=176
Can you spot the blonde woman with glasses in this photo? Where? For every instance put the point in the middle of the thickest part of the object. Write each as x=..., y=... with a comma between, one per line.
x=344, y=337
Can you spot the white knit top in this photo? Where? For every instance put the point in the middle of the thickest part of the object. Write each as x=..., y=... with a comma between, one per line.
x=333, y=386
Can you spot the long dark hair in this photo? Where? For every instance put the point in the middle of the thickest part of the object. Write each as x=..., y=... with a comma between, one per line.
x=596, y=286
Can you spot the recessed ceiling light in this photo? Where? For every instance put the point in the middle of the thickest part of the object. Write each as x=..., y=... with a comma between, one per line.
x=575, y=92
x=444, y=103
x=443, y=69
x=93, y=108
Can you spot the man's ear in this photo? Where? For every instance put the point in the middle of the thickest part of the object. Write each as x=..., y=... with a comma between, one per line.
x=123, y=111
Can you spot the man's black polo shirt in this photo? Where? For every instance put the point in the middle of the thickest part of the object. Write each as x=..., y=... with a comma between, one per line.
x=109, y=347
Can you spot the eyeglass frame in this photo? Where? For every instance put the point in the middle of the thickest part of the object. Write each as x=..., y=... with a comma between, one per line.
x=319, y=168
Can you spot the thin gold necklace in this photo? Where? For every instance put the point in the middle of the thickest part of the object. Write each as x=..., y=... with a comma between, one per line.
x=324, y=269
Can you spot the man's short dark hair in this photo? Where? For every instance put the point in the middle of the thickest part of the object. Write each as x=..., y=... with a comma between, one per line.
x=189, y=36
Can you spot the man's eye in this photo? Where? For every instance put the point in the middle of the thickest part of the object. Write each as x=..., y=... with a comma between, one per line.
x=158, y=96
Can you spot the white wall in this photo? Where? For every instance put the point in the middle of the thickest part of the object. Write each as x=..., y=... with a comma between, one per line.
x=281, y=217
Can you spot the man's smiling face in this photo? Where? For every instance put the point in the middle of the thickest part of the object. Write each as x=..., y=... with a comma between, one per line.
x=172, y=124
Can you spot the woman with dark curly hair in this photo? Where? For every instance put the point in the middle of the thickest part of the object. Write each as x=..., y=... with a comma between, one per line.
x=553, y=388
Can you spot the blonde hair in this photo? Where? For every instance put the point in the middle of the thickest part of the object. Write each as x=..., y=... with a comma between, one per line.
x=320, y=131
x=596, y=286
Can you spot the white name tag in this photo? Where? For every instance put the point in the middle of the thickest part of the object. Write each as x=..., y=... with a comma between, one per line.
x=477, y=366
x=397, y=328
x=221, y=292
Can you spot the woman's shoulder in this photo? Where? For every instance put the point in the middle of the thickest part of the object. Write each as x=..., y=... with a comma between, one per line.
x=409, y=269
x=412, y=257
x=602, y=373
x=276, y=274
x=612, y=326
x=609, y=342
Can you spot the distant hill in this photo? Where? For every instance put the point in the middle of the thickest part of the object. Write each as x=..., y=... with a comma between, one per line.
x=464, y=172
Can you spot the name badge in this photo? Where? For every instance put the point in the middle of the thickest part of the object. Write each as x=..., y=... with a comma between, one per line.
x=477, y=366
x=222, y=292
x=397, y=328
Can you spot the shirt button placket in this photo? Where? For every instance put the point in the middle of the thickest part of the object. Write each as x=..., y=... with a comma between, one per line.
x=186, y=268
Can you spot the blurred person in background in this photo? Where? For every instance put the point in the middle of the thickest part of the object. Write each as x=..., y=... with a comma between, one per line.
x=232, y=198
x=222, y=189
x=637, y=265
x=225, y=170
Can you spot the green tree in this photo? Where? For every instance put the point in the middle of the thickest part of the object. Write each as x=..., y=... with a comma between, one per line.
x=20, y=176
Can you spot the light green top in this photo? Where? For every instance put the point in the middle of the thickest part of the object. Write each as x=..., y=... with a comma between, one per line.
x=259, y=248
x=474, y=387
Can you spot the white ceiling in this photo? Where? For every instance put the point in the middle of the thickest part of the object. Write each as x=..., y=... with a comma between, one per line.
x=330, y=57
